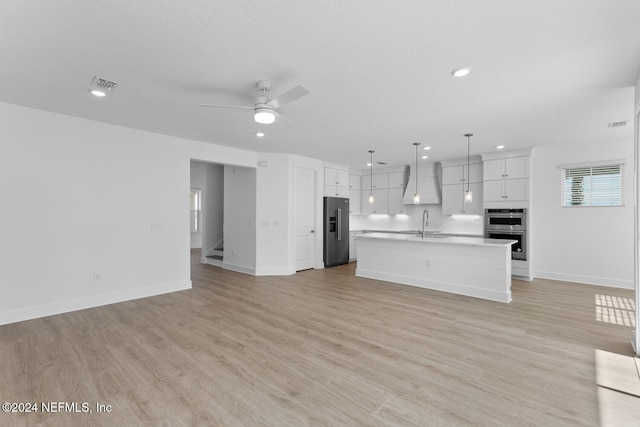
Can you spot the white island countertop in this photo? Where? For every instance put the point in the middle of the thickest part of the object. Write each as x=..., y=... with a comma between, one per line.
x=438, y=238
x=472, y=266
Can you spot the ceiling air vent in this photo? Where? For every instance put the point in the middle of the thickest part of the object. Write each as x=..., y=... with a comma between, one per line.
x=618, y=124
x=100, y=86
x=381, y=163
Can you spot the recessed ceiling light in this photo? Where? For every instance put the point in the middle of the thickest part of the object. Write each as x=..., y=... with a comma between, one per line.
x=499, y=147
x=259, y=134
x=461, y=72
x=425, y=157
x=426, y=148
x=368, y=164
x=100, y=86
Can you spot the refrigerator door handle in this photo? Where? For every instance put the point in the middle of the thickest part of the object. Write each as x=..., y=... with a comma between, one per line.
x=339, y=233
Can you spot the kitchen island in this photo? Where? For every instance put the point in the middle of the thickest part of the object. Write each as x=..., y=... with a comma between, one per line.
x=472, y=266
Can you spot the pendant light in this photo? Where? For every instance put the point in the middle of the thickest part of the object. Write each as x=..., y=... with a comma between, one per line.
x=416, y=196
x=371, y=199
x=468, y=197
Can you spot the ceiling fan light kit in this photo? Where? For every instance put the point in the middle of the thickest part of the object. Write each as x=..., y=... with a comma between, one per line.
x=264, y=116
x=264, y=109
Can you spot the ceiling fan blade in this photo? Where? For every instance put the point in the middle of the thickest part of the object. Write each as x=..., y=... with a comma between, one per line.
x=225, y=106
x=280, y=117
x=289, y=96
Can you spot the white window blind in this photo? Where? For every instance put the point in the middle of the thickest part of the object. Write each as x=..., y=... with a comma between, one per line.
x=595, y=185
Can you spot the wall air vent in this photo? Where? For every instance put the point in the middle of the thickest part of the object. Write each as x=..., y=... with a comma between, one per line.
x=618, y=124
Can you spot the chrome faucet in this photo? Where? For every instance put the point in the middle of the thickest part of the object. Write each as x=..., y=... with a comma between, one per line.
x=425, y=213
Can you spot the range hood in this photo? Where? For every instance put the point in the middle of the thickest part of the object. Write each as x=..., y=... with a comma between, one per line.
x=428, y=185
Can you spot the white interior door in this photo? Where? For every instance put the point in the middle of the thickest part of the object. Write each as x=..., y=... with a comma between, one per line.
x=304, y=207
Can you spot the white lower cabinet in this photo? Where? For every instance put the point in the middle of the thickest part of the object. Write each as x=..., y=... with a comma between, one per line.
x=353, y=246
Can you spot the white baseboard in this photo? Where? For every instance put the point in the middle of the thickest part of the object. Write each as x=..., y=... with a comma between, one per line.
x=587, y=280
x=35, y=312
x=274, y=272
x=239, y=268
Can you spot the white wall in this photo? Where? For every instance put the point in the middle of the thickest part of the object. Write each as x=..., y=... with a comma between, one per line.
x=273, y=215
x=587, y=245
x=213, y=204
x=79, y=197
x=275, y=232
x=197, y=180
x=240, y=219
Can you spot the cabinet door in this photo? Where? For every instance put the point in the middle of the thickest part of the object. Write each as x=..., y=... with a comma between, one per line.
x=366, y=183
x=475, y=172
x=342, y=178
x=330, y=176
x=451, y=199
x=381, y=203
x=331, y=191
x=396, y=180
x=343, y=192
x=493, y=191
x=354, y=182
x=381, y=181
x=475, y=207
x=355, y=201
x=335, y=191
x=516, y=168
x=366, y=208
x=452, y=175
x=353, y=247
x=493, y=169
x=516, y=189
x=395, y=202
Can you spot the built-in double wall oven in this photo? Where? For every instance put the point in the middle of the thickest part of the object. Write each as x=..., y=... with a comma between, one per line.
x=508, y=224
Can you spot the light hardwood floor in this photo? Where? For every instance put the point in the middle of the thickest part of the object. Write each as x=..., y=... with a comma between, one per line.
x=321, y=347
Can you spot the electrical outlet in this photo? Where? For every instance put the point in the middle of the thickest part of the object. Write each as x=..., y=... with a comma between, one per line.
x=97, y=277
x=427, y=263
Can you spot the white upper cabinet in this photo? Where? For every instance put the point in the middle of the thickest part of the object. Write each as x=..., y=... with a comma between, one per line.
x=336, y=177
x=380, y=204
x=510, y=168
x=380, y=180
x=461, y=173
x=457, y=176
x=453, y=199
x=506, y=190
x=354, y=182
x=336, y=182
x=396, y=180
x=506, y=179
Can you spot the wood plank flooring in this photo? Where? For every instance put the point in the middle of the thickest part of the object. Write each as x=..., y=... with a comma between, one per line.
x=321, y=348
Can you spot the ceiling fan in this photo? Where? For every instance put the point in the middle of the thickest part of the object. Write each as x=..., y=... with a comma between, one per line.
x=265, y=108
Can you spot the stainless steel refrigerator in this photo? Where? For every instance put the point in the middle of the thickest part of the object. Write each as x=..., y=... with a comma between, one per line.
x=336, y=231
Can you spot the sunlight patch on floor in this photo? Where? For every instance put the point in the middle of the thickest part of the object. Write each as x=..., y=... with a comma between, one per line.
x=618, y=383
x=616, y=310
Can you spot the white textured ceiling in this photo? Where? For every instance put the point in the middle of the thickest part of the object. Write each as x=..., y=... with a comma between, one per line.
x=544, y=71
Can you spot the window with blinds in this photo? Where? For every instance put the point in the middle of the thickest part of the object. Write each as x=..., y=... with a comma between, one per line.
x=595, y=185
